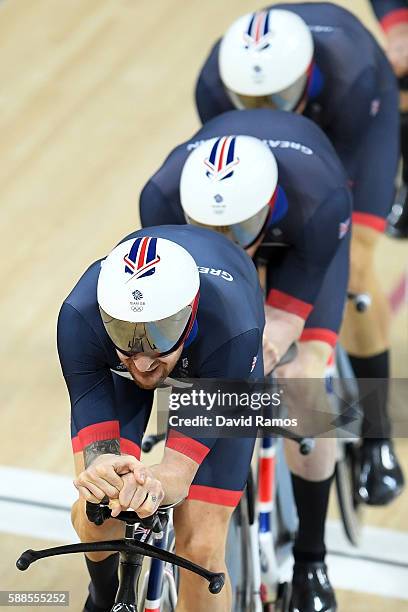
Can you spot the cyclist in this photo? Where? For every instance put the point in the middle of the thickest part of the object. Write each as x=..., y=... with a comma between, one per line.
x=131, y=320
x=393, y=16
x=279, y=190
x=319, y=60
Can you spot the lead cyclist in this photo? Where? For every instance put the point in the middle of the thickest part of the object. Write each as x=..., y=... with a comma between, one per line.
x=152, y=308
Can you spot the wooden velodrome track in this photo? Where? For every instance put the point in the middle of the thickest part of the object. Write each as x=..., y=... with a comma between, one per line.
x=94, y=94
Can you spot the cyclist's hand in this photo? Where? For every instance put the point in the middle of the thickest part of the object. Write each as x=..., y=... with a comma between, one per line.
x=397, y=48
x=270, y=354
x=281, y=330
x=103, y=478
x=143, y=494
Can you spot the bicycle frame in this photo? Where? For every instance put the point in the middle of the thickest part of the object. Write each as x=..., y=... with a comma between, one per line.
x=266, y=508
x=158, y=574
x=274, y=520
x=270, y=536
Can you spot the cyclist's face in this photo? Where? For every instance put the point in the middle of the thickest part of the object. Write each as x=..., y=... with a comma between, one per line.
x=148, y=372
x=253, y=248
x=261, y=102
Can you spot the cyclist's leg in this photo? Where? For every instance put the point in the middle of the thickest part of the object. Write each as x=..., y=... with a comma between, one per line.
x=373, y=168
x=202, y=521
x=102, y=566
x=365, y=334
x=312, y=475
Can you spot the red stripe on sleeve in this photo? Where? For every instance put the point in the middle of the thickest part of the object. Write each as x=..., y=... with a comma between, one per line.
x=211, y=495
x=369, y=220
x=187, y=446
x=106, y=430
x=394, y=18
x=127, y=447
x=288, y=303
x=76, y=445
x=319, y=333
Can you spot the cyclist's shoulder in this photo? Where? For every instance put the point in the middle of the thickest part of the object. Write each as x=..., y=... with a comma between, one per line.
x=82, y=298
x=303, y=134
x=209, y=70
x=323, y=17
x=80, y=330
x=275, y=127
x=173, y=161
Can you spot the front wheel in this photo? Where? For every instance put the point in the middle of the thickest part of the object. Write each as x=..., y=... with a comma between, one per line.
x=238, y=557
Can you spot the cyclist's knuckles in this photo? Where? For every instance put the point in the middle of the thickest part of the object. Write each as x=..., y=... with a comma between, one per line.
x=99, y=469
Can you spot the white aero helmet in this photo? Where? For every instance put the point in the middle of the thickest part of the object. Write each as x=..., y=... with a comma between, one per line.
x=229, y=184
x=148, y=295
x=265, y=59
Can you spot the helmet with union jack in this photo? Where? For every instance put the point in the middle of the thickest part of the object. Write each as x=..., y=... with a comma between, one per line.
x=230, y=184
x=266, y=60
x=148, y=291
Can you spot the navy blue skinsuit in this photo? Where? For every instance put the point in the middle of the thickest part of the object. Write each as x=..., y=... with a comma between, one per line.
x=306, y=253
x=106, y=403
x=352, y=96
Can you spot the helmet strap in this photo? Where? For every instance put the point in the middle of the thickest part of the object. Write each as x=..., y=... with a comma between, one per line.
x=314, y=84
x=192, y=334
x=192, y=327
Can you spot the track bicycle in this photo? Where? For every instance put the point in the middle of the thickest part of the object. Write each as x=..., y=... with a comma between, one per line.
x=265, y=522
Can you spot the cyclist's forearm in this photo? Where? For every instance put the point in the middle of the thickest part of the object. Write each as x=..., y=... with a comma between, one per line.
x=176, y=473
x=282, y=328
x=100, y=447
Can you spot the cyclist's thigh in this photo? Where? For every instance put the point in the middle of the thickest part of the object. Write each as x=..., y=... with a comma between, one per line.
x=324, y=321
x=372, y=166
x=222, y=476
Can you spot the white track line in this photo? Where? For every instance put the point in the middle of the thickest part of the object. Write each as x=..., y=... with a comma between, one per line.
x=28, y=501
x=40, y=487
x=376, y=543
x=35, y=522
x=24, y=499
